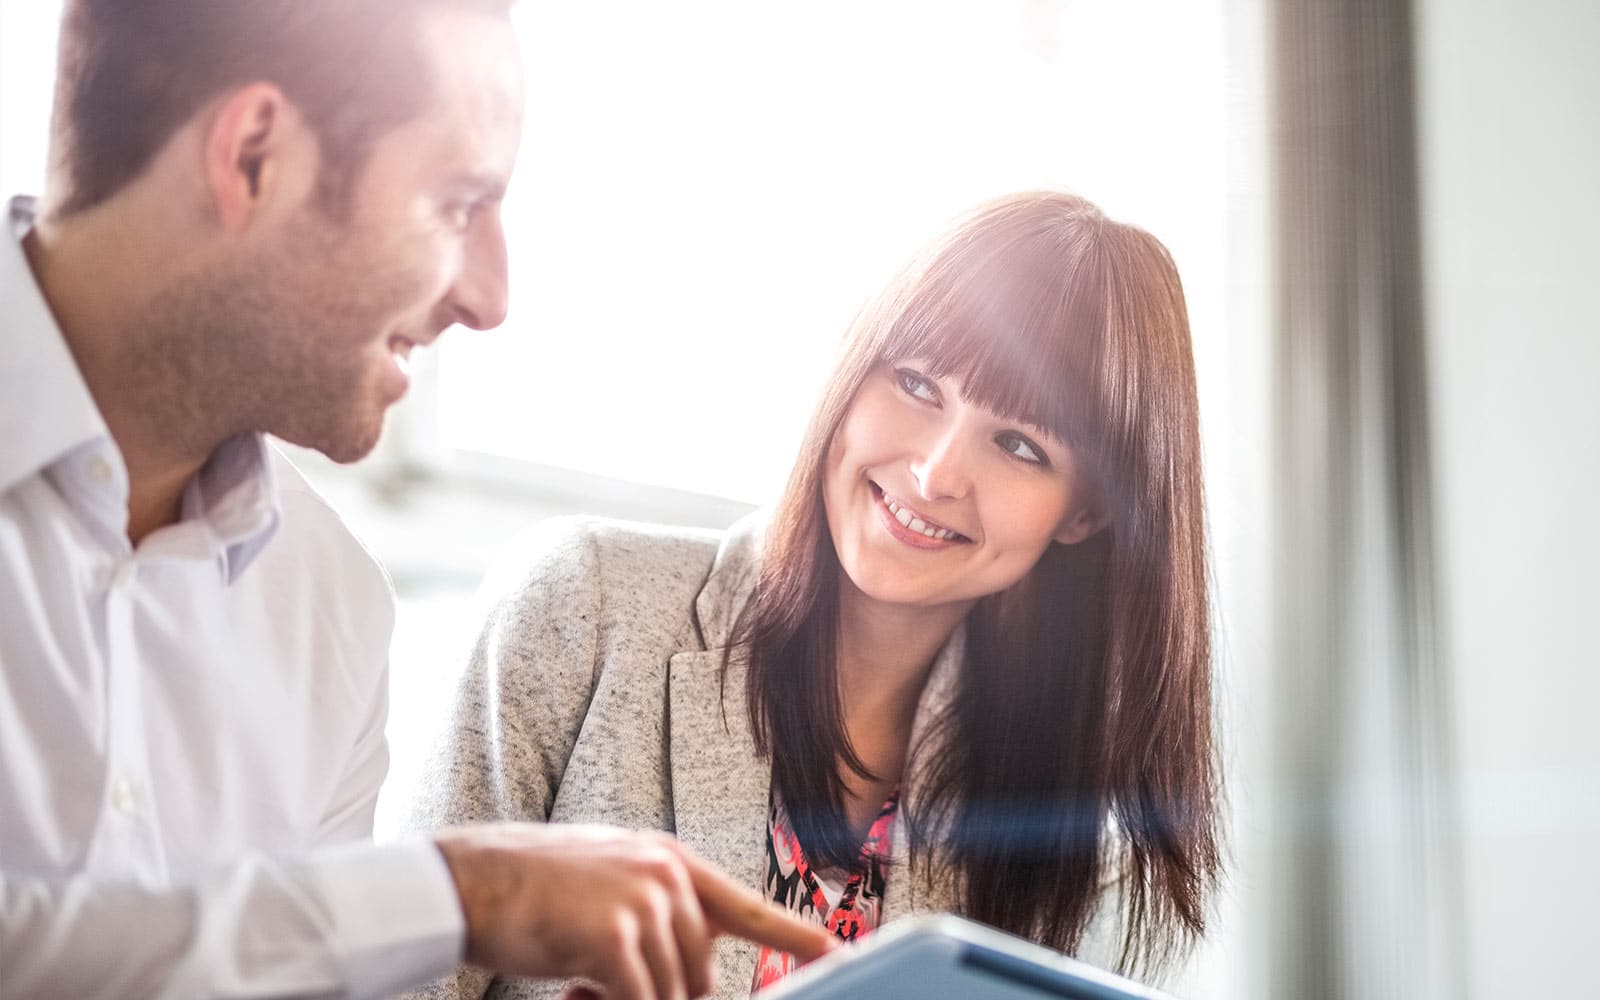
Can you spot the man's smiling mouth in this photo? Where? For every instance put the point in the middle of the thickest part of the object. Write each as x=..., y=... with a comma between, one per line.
x=400, y=349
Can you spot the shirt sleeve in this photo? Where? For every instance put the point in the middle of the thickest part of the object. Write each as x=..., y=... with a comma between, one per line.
x=352, y=921
x=349, y=815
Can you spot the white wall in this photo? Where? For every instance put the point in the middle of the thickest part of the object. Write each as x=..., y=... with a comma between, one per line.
x=27, y=65
x=1510, y=123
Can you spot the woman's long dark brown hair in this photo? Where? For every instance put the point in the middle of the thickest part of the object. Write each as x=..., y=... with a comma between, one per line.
x=1079, y=748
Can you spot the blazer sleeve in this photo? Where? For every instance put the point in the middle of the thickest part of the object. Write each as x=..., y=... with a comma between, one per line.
x=522, y=700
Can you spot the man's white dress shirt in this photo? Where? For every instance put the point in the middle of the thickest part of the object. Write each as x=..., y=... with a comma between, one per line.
x=191, y=732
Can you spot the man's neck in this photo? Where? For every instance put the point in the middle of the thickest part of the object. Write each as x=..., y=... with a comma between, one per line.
x=83, y=272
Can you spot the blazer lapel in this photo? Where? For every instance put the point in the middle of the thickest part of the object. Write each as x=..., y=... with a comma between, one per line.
x=719, y=786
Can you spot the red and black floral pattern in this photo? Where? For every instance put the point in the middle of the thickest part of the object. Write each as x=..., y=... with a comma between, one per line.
x=849, y=910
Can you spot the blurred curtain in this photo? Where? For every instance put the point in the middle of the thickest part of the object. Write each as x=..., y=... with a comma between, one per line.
x=1365, y=887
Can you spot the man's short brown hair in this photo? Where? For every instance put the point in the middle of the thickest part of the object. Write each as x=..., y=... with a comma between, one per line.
x=132, y=72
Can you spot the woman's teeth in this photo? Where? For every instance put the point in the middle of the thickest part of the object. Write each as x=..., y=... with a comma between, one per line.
x=917, y=524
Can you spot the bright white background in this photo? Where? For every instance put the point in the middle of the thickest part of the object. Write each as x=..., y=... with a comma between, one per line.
x=708, y=191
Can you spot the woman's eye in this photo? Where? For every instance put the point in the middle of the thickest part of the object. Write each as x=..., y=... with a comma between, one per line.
x=1020, y=447
x=915, y=385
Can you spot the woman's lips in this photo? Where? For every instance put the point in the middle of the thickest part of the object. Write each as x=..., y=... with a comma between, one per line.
x=912, y=527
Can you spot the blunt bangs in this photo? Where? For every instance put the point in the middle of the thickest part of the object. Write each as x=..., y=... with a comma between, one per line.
x=1018, y=319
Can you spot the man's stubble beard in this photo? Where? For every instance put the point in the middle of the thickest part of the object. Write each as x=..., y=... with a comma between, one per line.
x=273, y=344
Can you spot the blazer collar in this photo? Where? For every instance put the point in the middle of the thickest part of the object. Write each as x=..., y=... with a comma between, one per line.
x=732, y=578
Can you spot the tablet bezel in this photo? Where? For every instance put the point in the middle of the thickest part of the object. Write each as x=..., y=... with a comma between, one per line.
x=969, y=949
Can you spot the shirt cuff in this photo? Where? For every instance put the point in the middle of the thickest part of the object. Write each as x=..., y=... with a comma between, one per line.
x=397, y=921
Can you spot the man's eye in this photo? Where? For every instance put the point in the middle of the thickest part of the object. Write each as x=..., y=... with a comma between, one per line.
x=913, y=384
x=1020, y=447
x=461, y=213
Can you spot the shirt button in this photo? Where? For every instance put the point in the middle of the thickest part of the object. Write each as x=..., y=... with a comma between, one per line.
x=99, y=471
x=123, y=578
x=123, y=799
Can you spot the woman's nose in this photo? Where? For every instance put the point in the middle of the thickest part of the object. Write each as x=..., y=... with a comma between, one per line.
x=940, y=467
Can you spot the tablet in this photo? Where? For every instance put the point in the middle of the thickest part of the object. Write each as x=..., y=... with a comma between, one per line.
x=935, y=958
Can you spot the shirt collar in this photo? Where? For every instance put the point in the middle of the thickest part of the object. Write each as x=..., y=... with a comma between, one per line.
x=236, y=495
x=45, y=407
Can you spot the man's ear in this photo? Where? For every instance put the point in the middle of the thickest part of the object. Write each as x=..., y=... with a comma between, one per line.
x=247, y=152
x=1079, y=525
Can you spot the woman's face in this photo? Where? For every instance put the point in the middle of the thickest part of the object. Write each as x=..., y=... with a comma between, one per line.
x=932, y=500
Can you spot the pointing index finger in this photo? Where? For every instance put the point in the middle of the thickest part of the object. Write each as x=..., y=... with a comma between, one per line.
x=737, y=911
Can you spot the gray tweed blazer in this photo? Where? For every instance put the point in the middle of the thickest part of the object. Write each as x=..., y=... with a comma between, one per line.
x=595, y=695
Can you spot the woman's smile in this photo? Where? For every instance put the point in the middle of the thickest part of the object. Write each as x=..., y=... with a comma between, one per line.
x=911, y=526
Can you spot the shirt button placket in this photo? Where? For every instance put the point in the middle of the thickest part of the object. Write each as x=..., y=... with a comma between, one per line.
x=127, y=836
x=123, y=798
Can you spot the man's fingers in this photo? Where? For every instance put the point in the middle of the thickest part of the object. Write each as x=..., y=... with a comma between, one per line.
x=692, y=933
x=734, y=910
x=661, y=954
x=627, y=978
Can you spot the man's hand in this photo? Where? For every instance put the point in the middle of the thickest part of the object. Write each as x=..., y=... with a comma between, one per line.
x=634, y=912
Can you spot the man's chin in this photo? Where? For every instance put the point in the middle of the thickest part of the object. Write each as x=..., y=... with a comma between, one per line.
x=346, y=454
x=343, y=445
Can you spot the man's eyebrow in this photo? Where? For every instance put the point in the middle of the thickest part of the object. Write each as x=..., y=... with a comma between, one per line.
x=487, y=186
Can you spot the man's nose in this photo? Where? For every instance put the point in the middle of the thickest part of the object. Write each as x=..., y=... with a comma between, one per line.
x=482, y=291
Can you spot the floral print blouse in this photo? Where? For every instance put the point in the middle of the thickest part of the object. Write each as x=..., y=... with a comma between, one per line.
x=848, y=903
